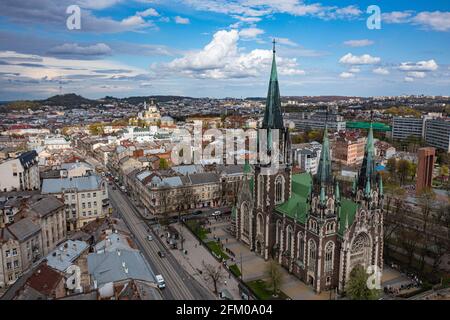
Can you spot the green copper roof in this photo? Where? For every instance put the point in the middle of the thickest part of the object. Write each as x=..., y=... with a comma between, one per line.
x=379, y=126
x=297, y=206
x=322, y=195
x=324, y=171
x=348, y=212
x=337, y=192
x=273, y=118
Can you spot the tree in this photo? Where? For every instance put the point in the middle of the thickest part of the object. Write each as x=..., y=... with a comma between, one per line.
x=163, y=164
x=426, y=201
x=404, y=168
x=394, y=214
x=357, y=288
x=214, y=274
x=392, y=167
x=96, y=129
x=275, y=276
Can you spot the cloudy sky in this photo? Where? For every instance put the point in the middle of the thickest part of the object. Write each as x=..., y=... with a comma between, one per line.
x=222, y=48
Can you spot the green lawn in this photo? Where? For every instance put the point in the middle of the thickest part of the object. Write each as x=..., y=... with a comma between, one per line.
x=214, y=247
x=235, y=270
x=262, y=292
x=197, y=229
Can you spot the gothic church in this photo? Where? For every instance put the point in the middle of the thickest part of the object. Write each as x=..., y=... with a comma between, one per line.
x=304, y=222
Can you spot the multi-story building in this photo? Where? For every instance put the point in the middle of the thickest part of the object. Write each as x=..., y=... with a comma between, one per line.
x=20, y=246
x=316, y=120
x=427, y=157
x=349, y=151
x=404, y=127
x=307, y=156
x=437, y=133
x=21, y=173
x=85, y=198
x=48, y=212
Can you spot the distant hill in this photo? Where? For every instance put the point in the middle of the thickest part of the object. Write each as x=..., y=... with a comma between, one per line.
x=141, y=99
x=70, y=100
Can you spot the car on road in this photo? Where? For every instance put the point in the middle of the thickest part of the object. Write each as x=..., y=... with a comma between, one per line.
x=160, y=281
x=149, y=237
x=197, y=212
x=216, y=213
x=162, y=254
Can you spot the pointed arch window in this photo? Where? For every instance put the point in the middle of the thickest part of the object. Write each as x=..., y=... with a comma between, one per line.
x=289, y=239
x=260, y=191
x=300, y=246
x=329, y=257
x=245, y=213
x=279, y=189
x=312, y=255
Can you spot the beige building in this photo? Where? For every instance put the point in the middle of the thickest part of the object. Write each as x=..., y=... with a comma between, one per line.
x=49, y=213
x=85, y=198
x=349, y=151
x=20, y=246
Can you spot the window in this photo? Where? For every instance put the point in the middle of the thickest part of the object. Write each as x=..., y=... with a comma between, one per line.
x=8, y=266
x=312, y=255
x=329, y=257
x=14, y=252
x=83, y=196
x=94, y=194
x=279, y=189
x=301, y=246
x=8, y=253
x=16, y=264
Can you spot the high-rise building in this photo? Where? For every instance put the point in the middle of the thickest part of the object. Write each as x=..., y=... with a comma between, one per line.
x=437, y=133
x=404, y=127
x=425, y=168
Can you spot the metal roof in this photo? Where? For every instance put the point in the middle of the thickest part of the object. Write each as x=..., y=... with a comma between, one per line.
x=87, y=183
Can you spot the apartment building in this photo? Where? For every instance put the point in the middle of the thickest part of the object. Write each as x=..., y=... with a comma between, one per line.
x=85, y=198
x=404, y=127
x=20, y=246
x=437, y=133
x=349, y=151
x=20, y=173
x=306, y=156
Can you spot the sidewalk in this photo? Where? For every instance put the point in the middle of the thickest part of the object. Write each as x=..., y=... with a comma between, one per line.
x=193, y=262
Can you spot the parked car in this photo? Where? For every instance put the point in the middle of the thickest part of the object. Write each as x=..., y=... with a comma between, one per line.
x=197, y=212
x=216, y=213
x=149, y=237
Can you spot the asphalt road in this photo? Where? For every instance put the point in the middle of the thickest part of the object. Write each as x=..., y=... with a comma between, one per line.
x=179, y=284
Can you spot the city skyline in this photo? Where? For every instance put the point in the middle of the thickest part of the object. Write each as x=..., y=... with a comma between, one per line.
x=205, y=48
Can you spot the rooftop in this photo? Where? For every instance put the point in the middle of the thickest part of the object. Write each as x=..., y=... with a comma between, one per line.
x=87, y=183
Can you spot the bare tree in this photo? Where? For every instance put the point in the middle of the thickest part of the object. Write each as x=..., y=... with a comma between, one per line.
x=275, y=276
x=215, y=274
x=426, y=201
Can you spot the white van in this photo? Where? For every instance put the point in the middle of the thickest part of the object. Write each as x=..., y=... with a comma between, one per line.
x=160, y=281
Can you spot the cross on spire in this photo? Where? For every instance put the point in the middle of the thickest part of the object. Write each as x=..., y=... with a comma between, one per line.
x=274, y=42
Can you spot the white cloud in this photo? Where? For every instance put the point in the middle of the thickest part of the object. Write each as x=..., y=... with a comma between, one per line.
x=358, y=43
x=56, y=69
x=416, y=74
x=250, y=33
x=181, y=20
x=381, y=71
x=409, y=79
x=359, y=60
x=286, y=42
x=148, y=13
x=76, y=49
x=429, y=65
x=133, y=21
x=354, y=70
x=259, y=8
x=222, y=59
x=346, y=75
x=396, y=17
x=439, y=21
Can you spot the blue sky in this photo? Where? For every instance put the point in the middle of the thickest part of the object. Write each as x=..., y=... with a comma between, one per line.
x=222, y=48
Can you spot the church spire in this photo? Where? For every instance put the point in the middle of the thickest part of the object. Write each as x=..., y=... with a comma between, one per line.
x=324, y=171
x=273, y=118
x=367, y=172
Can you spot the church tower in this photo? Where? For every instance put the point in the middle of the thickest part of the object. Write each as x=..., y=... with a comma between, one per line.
x=321, y=237
x=271, y=179
x=363, y=237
